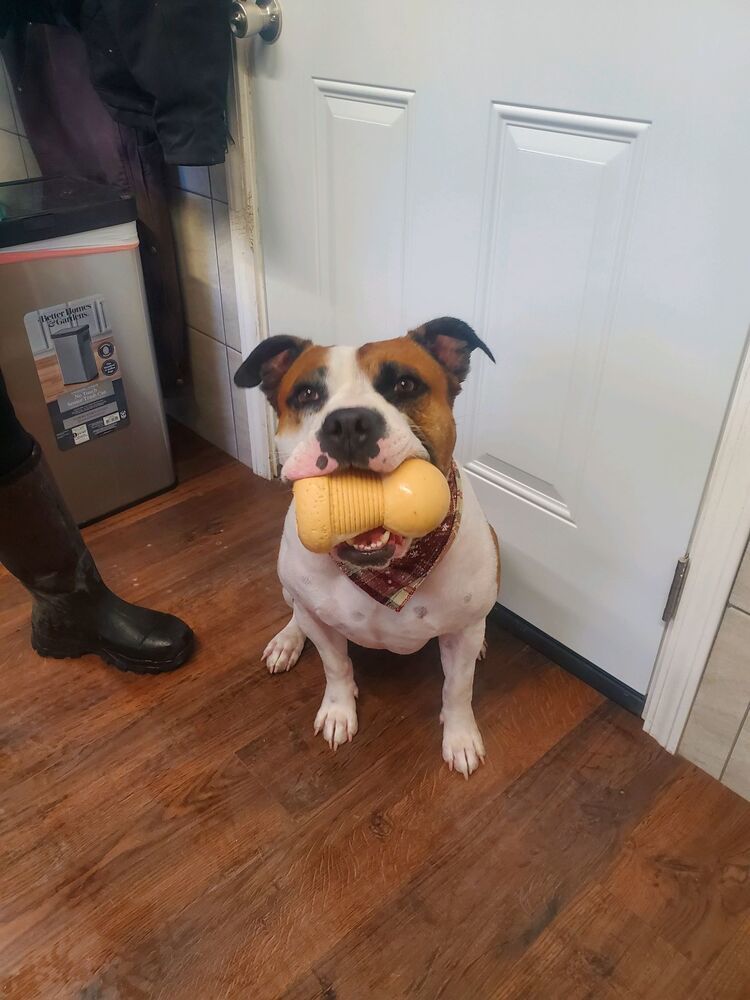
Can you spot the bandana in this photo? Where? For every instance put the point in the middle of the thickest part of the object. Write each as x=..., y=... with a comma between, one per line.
x=395, y=585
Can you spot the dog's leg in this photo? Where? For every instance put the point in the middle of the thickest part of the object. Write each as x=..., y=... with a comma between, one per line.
x=283, y=651
x=337, y=716
x=463, y=748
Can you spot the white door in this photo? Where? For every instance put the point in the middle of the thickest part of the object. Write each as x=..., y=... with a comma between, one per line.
x=571, y=179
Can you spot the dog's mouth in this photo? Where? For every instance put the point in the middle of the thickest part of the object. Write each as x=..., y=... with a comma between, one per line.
x=375, y=548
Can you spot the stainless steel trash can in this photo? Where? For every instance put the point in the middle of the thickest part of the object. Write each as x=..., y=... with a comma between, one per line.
x=75, y=341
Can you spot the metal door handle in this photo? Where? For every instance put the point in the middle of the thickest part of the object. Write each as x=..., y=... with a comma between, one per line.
x=262, y=18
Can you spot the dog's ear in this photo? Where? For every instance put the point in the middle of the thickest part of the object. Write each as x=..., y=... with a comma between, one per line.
x=450, y=341
x=268, y=364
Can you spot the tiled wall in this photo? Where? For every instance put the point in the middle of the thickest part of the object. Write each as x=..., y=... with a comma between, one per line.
x=17, y=162
x=717, y=735
x=214, y=408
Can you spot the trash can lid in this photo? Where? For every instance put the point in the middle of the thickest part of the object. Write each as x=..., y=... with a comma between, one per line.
x=70, y=333
x=47, y=207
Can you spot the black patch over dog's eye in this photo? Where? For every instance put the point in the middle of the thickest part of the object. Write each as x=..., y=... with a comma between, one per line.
x=308, y=395
x=398, y=384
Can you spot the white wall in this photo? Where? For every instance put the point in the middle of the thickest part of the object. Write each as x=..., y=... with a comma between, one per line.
x=213, y=408
x=17, y=162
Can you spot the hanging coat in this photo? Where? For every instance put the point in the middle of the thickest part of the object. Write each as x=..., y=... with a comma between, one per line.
x=160, y=66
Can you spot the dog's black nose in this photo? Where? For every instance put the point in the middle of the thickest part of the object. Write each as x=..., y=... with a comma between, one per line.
x=351, y=435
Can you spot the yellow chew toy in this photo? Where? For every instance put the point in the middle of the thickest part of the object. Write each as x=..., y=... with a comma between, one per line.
x=411, y=501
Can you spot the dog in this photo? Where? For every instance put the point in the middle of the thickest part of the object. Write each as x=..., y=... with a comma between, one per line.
x=372, y=408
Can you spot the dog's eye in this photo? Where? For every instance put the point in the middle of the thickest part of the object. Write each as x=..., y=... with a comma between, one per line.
x=306, y=394
x=405, y=386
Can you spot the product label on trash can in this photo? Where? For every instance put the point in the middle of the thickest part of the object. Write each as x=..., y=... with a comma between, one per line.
x=76, y=360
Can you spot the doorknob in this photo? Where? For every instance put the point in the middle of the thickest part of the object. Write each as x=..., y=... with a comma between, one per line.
x=262, y=18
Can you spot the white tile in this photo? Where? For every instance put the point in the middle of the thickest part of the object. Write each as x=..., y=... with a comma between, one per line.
x=193, y=224
x=208, y=408
x=239, y=401
x=7, y=111
x=32, y=167
x=218, y=174
x=12, y=167
x=226, y=275
x=741, y=592
x=737, y=774
x=193, y=179
x=722, y=698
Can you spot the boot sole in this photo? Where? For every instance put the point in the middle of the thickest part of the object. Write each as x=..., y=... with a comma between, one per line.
x=63, y=651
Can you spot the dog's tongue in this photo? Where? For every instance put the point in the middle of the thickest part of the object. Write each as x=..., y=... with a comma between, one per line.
x=371, y=537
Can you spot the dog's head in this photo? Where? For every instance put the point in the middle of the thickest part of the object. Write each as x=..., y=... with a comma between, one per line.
x=370, y=407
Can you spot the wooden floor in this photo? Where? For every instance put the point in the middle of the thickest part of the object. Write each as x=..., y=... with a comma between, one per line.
x=187, y=836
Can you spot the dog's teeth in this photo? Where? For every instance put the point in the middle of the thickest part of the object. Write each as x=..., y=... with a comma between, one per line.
x=373, y=546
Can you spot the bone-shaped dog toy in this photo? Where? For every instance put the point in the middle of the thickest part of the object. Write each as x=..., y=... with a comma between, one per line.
x=411, y=501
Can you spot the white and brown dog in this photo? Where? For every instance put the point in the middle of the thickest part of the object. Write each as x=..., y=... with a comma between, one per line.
x=371, y=408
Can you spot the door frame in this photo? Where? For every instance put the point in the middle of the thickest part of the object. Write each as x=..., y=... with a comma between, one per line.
x=722, y=526
x=718, y=542
x=247, y=250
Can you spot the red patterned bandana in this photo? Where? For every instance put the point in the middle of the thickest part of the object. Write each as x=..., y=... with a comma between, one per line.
x=395, y=585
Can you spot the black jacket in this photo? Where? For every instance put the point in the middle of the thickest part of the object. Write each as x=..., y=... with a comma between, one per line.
x=158, y=65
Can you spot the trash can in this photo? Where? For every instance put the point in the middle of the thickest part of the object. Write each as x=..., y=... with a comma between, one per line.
x=75, y=341
x=75, y=355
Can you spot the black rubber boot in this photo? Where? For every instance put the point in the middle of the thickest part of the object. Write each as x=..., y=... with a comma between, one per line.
x=74, y=613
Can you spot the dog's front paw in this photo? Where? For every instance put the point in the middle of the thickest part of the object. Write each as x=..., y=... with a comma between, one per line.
x=283, y=651
x=463, y=747
x=337, y=717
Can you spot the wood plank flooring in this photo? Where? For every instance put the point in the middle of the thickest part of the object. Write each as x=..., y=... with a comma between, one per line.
x=187, y=836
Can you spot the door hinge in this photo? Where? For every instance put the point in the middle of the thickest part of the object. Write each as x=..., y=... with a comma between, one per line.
x=675, y=591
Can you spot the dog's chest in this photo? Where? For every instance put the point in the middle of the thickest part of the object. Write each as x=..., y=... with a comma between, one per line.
x=460, y=590
x=338, y=602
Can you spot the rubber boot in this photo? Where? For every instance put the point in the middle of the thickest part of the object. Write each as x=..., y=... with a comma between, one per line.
x=74, y=613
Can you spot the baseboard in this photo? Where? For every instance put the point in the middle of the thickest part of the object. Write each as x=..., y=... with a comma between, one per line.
x=128, y=505
x=569, y=660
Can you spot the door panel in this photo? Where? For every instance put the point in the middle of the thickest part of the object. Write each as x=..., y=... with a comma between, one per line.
x=558, y=196
x=362, y=145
